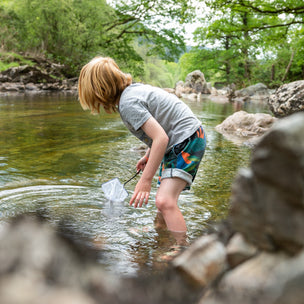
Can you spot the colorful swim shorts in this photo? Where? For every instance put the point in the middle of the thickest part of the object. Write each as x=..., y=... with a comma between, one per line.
x=184, y=158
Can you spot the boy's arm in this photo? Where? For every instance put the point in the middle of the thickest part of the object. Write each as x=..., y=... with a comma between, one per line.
x=159, y=145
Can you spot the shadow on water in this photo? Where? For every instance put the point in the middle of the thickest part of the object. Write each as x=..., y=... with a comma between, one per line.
x=54, y=157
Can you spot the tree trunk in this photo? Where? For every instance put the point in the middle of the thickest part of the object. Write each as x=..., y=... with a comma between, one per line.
x=289, y=65
x=272, y=72
x=245, y=52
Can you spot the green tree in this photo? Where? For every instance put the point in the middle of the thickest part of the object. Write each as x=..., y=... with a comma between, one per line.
x=250, y=35
x=157, y=72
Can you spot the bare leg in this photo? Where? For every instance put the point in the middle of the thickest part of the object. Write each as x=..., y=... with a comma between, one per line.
x=159, y=221
x=166, y=202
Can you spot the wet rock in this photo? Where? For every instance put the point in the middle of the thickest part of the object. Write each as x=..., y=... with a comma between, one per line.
x=11, y=87
x=243, y=126
x=31, y=87
x=192, y=97
x=20, y=87
x=203, y=261
x=287, y=99
x=270, y=195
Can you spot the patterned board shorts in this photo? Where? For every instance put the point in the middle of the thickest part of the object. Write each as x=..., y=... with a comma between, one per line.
x=184, y=158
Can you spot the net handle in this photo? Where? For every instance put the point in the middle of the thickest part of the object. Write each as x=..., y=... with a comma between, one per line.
x=132, y=177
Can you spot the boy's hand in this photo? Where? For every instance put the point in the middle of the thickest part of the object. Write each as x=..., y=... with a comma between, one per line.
x=141, y=164
x=141, y=193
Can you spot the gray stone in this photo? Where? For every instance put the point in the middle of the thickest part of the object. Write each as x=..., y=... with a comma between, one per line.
x=203, y=261
x=246, y=211
x=39, y=264
x=256, y=91
x=287, y=99
x=196, y=81
x=266, y=278
x=270, y=195
x=243, y=126
x=238, y=250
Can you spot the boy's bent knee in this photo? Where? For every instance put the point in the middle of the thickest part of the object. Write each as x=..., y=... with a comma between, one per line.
x=164, y=203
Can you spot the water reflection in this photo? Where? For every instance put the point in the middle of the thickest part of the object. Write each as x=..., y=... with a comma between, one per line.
x=54, y=157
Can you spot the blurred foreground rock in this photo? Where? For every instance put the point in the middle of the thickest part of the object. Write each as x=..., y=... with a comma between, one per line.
x=270, y=195
x=203, y=261
x=39, y=265
x=265, y=255
x=287, y=99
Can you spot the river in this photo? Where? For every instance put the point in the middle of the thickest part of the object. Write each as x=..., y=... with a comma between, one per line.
x=54, y=158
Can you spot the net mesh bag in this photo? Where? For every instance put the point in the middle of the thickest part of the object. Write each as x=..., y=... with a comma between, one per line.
x=114, y=191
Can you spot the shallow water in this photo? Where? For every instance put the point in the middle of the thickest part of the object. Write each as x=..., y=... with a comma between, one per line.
x=54, y=158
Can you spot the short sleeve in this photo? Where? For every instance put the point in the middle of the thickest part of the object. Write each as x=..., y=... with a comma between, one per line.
x=135, y=113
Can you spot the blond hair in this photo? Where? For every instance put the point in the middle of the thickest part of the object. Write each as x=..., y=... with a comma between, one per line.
x=101, y=83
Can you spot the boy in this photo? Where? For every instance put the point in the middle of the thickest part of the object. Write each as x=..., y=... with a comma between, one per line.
x=175, y=137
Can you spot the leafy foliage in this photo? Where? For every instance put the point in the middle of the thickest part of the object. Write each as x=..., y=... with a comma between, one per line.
x=239, y=41
x=255, y=40
x=74, y=31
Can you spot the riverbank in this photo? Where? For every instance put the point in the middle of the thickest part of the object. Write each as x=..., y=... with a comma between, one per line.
x=35, y=75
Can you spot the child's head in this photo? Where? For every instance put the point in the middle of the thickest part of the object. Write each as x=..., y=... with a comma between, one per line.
x=101, y=83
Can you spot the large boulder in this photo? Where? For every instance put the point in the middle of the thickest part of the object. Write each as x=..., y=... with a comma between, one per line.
x=265, y=255
x=196, y=81
x=287, y=99
x=245, y=127
x=267, y=204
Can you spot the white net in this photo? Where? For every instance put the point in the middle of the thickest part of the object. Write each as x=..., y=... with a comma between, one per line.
x=114, y=191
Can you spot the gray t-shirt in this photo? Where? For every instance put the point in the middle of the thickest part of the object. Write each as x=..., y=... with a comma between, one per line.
x=139, y=102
